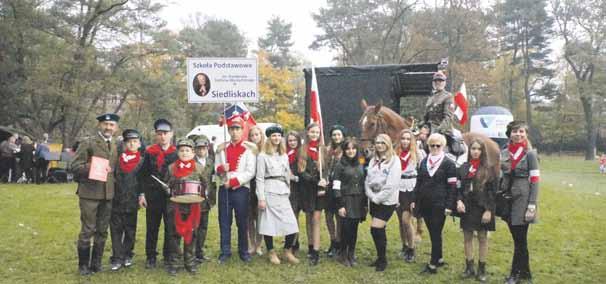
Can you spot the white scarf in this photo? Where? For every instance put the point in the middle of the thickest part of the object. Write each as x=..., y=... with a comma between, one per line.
x=433, y=163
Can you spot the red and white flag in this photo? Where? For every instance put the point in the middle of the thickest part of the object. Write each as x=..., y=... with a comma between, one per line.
x=460, y=100
x=315, y=113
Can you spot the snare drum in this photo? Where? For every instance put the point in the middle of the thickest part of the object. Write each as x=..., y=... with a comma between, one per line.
x=187, y=192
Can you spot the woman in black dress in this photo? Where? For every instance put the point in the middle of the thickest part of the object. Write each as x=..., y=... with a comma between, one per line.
x=293, y=143
x=348, y=185
x=333, y=224
x=435, y=194
x=476, y=204
x=311, y=170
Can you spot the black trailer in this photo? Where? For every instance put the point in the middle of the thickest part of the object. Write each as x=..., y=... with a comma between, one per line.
x=403, y=87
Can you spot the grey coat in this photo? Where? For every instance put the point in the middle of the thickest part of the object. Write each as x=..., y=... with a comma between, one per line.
x=523, y=191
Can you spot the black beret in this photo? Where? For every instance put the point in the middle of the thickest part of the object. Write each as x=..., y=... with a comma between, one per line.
x=276, y=128
x=516, y=124
x=337, y=127
x=108, y=117
x=130, y=134
x=163, y=125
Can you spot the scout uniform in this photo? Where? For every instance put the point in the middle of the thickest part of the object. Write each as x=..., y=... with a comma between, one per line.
x=156, y=161
x=242, y=162
x=123, y=223
x=183, y=218
x=95, y=197
x=207, y=166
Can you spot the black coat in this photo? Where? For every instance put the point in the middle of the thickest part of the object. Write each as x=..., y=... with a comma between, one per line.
x=155, y=195
x=27, y=156
x=350, y=194
x=435, y=192
x=477, y=199
x=127, y=189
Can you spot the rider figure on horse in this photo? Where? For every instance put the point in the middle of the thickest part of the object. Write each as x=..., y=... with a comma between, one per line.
x=439, y=114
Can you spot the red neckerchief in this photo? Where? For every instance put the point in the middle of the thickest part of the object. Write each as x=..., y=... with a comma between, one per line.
x=516, y=152
x=292, y=155
x=156, y=151
x=185, y=228
x=313, y=150
x=404, y=158
x=129, y=160
x=474, y=164
x=183, y=168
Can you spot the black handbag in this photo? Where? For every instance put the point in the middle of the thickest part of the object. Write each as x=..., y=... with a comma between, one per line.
x=503, y=200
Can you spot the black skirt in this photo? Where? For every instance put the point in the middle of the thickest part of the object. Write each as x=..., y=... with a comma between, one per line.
x=472, y=219
x=312, y=202
x=382, y=212
x=405, y=198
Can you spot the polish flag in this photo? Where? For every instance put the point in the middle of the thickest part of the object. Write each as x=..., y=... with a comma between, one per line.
x=315, y=113
x=460, y=100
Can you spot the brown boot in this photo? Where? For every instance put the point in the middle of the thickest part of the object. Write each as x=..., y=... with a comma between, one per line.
x=273, y=257
x=292, y=259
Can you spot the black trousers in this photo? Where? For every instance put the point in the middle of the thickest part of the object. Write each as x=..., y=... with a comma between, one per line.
x=123, y=227
x=40, y=170
x=349, y=233
x=434, y=220
x=202, y=232
x=520, y=262
x=153, y=218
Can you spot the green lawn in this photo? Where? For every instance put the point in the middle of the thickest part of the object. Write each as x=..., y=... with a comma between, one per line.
x=39, y=226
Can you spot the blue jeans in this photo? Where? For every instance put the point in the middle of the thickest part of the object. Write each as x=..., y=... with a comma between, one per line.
x=233, y=200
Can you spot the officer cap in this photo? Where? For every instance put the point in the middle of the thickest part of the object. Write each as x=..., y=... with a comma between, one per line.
x=130, y=134
x=108, y=117
x=163, y=125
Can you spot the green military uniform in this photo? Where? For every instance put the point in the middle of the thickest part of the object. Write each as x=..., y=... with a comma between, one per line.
x=184, y=209
x=95, y=199
x=439, y=112
x=208, y=170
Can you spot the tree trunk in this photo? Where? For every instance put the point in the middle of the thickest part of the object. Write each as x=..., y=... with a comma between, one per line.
x=591, y=132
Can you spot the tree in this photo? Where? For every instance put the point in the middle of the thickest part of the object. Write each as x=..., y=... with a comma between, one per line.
x=365, y=32
x=277, y=43
x=525, y=28
x=279, y=99
x=580, y=24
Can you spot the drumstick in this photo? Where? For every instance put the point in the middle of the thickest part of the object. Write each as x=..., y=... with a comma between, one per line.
x=164, y=185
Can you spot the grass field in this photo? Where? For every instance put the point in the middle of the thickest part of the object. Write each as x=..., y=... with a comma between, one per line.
x=39, y=226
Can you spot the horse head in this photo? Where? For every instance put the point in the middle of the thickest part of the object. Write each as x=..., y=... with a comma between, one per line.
x=377, y=120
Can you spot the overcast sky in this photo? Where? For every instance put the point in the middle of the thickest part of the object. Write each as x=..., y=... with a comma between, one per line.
x=251, y=18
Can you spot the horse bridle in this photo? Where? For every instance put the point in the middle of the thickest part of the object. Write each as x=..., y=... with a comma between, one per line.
x=380, y=128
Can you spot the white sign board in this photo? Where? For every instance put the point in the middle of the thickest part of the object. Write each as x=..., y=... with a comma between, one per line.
x=494, y=125
x=222, y=80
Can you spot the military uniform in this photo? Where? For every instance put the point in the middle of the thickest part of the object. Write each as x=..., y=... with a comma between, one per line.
x=183, y=211
x=207, y=167
x=439, y=112
x=155, y=162
x=123, y=223
x=95, y=198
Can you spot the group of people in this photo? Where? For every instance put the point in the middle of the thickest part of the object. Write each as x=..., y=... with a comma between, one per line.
x=23, y=160
x=266, y=179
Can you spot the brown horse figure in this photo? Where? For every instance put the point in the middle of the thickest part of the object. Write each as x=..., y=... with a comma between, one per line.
x=378, y=119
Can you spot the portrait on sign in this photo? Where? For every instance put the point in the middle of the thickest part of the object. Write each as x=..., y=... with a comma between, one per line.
x=201, y=84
